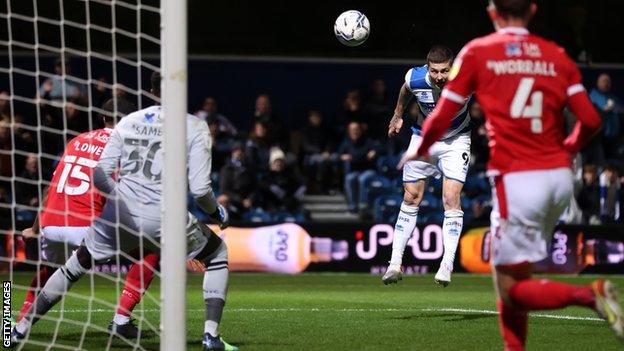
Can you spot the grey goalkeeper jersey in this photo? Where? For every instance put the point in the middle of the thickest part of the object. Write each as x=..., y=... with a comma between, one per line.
x=135, y=148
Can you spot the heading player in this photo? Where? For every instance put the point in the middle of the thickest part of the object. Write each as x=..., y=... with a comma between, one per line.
x=453, y=152
x=523, y=83
x=131, y=217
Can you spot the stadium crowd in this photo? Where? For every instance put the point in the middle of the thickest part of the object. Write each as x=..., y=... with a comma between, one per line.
x=262, y=170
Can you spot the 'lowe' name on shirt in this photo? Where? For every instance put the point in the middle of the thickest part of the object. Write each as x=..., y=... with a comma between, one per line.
x=519, y=66
x=143, y=129
x=87, y=147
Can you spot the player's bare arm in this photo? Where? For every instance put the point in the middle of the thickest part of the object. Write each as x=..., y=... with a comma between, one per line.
x=397, y=120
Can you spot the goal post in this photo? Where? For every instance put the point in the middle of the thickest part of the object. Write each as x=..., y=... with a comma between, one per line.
x=61, y=60
x=173, y=243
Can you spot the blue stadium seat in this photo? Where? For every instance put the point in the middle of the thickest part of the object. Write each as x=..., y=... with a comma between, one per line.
x=257, y=215
x=397, y=183
x=284, y=216
x=434, y=186
x=476, y=185
x=430, y=204
x=386, y=208
x=386, y=165
x=376, y=186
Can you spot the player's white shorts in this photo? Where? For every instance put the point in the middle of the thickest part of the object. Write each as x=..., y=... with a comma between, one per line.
x=526, y=207
x=58, y=243
x=112, y=234
x=453, y=155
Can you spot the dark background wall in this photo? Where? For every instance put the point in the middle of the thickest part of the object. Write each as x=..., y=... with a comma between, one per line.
x=403, y=29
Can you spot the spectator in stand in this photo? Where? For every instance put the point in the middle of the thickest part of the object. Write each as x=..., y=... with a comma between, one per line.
x=27, y=188
x=24, y=140
x=237, y=184
x=588, y=197
x=52, y=88
x=610, y=195
x=5, y=104
x=351, y=109
x=316, y=149
x=377, y=108
x=209, y=112
x=359, y=154
x=222, y=144
x=77, y=121
x=479, y=140
x=100, y=93
x=6, y=168
x=611, y=110
x=5, y=203
x=264, y=113
x=282, y=189
x=258, y=148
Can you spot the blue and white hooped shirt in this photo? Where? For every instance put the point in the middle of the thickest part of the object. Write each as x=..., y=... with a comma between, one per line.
x=419, y=83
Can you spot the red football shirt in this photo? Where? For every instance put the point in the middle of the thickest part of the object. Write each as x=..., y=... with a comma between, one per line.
x=72, y=199
x=523, y=82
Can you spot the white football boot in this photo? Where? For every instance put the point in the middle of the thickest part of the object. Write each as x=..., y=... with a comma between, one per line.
x=443, y=277
x=394, y=273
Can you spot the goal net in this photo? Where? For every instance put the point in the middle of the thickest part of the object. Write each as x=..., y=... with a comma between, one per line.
x=61, y=61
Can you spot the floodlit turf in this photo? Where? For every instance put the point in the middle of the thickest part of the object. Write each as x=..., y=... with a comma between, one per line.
x=336, y=312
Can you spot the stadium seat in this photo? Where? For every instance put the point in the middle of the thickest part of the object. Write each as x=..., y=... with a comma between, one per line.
x=375, y=186
x=257, y=216
x=430, y=204
x=476, y=184
x=386, y=166
x=434, y=186
x=397, y=184
x=386, y=208
x=284, y=216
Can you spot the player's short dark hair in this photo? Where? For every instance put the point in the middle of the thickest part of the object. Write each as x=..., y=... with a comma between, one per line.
x=155, y=80
x=124, y=107
x=439, y=54
x=512, y=8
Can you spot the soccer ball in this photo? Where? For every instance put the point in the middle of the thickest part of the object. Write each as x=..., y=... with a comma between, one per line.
x=352, y=28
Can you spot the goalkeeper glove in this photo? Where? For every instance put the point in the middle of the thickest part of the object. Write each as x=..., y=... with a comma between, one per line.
x=221, y=216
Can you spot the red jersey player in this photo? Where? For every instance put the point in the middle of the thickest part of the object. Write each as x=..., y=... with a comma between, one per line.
x=523, y=83
x=71, y=204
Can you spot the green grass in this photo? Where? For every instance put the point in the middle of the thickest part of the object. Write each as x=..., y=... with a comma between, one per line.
x=334, y=312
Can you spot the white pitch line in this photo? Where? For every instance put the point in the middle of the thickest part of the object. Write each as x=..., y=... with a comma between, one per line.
x=296, y=309
x=539, y=315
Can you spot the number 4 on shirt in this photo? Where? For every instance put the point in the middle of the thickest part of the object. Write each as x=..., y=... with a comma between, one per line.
x=527, y=104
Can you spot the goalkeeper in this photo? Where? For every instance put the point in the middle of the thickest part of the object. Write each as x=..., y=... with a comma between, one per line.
x=134, y=206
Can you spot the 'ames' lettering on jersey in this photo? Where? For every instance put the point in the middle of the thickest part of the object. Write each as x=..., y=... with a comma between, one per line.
x=143, y=129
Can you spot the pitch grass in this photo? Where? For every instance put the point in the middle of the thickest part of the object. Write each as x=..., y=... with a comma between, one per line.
x=333, y=312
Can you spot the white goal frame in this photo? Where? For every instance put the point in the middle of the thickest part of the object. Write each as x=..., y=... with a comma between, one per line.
x=173, y=242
